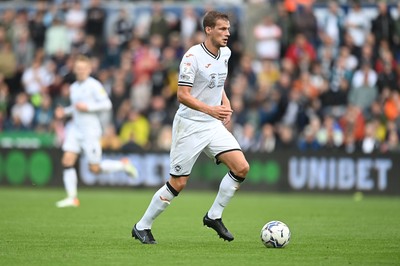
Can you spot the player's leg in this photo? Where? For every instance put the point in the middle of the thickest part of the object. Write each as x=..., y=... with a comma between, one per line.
x=110, y=166
x=224, y=148
x=183, y=155
x=70, y=180
x=230, y=183
x=71, y=150
x=160, y=201
x=92, y=149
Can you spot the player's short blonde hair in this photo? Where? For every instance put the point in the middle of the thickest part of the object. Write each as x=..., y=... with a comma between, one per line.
x=82, y=58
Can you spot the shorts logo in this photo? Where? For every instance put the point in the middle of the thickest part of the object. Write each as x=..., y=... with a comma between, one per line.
x=213, y=81
x=178, y=168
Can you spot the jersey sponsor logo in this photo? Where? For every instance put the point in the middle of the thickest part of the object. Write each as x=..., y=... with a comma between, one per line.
x=213, y=81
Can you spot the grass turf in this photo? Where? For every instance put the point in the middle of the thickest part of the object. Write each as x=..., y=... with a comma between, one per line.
x=326, y=229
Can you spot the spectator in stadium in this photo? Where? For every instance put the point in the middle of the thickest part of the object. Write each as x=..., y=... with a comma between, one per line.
x=332, y=25
x=37, y=29
x=392, y=143
x=306, y=23
x=352, y=124
x=164, y=139
x=5, y=101
x=158, y=116
x=36, y=78
x=158, y=21
x=357, y=25
x=330, y=135
x=301, y=52
x=370, y=143
x=285, y=22
x=189, y=24
x=123, y=28
x=387, y=79
x=24, y=50
x=95, y=20
x=363, y=91
x=135, y=129
x=266, y=141
x=110, y=139
x=75, y=19
x=307, y=141
x=8, y=64
x=382, y=27
x=267, y=34
x=396, y=35
x=286, y=137
x=22, y=113
x=57, y=38
x=43, y=119
x=247, y=137
x=392, y=106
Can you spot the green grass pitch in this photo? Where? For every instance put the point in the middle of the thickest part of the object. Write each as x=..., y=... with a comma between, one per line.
x=326, y=229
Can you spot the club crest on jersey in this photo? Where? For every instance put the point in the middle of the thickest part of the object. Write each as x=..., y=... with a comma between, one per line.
x=213, y=81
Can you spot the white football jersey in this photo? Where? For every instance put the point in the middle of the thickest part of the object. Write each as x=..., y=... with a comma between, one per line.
x=92, y=93
x=206, y=74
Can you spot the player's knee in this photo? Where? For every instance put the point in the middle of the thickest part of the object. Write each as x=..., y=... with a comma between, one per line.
x=67, y=163
x=242, y=169
x=94, y=168
x=178, y=183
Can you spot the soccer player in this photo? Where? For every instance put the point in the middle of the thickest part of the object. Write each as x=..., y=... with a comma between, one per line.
x=199, y=126
x=88, y=97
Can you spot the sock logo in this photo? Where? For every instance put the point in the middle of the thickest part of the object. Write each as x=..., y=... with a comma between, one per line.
x=165, y=200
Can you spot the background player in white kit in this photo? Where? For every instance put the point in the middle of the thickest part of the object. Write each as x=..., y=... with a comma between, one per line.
x=199, y=127
x=88, y=97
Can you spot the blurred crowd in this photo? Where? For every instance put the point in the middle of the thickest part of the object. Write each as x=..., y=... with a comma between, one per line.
x=309, y=84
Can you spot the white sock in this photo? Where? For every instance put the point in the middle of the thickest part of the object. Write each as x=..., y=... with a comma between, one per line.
x=110, y=166
x=70, y=182
x=160, y=201
x=227, y=189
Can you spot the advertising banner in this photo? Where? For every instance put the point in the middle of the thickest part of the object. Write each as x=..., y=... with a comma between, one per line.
x=315, y=172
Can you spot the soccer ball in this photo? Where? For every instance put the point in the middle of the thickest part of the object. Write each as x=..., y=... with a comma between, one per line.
x=275, y=234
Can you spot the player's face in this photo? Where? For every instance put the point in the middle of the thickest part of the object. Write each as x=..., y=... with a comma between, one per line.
x=220, y=33
x=82, y=70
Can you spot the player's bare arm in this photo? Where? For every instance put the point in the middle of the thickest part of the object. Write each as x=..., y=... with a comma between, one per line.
x=220, y=112
x=81, y=107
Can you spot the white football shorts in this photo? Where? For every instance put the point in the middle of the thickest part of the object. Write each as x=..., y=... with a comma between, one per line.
x=191, y=138
x=77, y=142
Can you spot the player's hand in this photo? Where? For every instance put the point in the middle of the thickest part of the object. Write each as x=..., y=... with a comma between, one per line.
x=227, y=119
x=81, y=107
x=59, y=112
x=221, y=112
